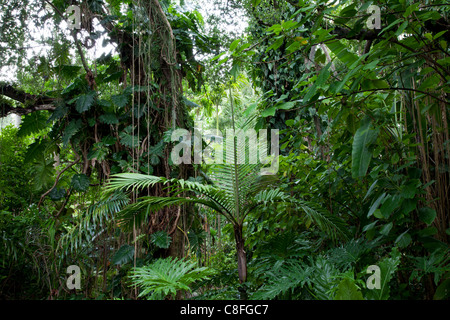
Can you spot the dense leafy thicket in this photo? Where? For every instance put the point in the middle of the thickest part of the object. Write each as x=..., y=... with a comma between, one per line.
x=361, y=187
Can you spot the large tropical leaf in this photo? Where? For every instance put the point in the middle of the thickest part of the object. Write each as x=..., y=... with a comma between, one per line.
x=85, y=101
x=284, y=279
x=388, y=266
x=348, y=290
x=124, y=255
x=361, y=154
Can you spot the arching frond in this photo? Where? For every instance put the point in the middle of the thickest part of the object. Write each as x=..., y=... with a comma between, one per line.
x=332, y=225
x=98, y=216
x=138, y=212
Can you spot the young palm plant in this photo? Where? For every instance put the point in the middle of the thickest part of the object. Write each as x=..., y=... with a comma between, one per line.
x=235, y=189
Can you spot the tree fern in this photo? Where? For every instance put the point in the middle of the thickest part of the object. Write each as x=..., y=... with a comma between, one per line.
x=165, y=277
x=238, y=187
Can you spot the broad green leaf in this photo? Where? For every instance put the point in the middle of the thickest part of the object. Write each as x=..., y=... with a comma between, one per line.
x=255, y=3
x=250, y=109
x=77, y=85
x=372, y=65
x=410, y=9
x=370, y=226
x=443, y=291
x=35, y=150
x=57, y=193
x=390, y=203
x=361, y=153
x=289, y=24
x=401, y=28
x=376, y=204
x=108, y=118
x=61, y=110
x=372, y=187
x=293, y=46
x=32, y=123
x=161, y=239
x=403, y=240
x=285, y=105
x=72, y=128
x=390, y=26
x=85, y=101
x=234, y=44
x=218, y=56
x=347, y=290
x=269, y=112
x=80, y=182
x=235, y=70
x=323, y=75
x=124, y=255
x=388, y=266
x=437, y=35
x=427, y=215
x=113, y=76
x=129, y=140
x=386, y=229
x=342, y=53
x=120, y=100
x=342, y=83
x=43, y=174
x=278, y=42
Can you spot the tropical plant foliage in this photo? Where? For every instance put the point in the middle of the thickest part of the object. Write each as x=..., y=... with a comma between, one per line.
x=356, y=209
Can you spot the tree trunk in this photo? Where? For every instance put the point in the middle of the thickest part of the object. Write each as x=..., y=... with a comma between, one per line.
x=241, y=255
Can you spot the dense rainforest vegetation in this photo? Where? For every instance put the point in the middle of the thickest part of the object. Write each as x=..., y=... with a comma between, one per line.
x=119, y=179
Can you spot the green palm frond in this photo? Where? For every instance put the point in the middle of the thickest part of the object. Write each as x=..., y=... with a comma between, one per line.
x=139, y=211
x=97, y=217
x=165, y=277
x=208, y=195
x=220, y=196
x=132, y=182
x=332, y=225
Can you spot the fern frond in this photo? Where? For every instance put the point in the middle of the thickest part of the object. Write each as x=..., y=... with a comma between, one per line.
x=165, y=277
x=334, y=226
x=132, y=182
x=139, y=211
x=95, y=219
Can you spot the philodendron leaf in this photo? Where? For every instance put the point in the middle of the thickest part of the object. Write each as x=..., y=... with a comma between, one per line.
x=120, y=100
x=123, y=255
x=427, y=215
x=85, y=101
x=347, y=290
x=32, y=123
x=161, y=239
x=57, y=193
x=72, y=128
x=109, y=118
x=388, y=266
x=361, y=153
x=80, y=182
